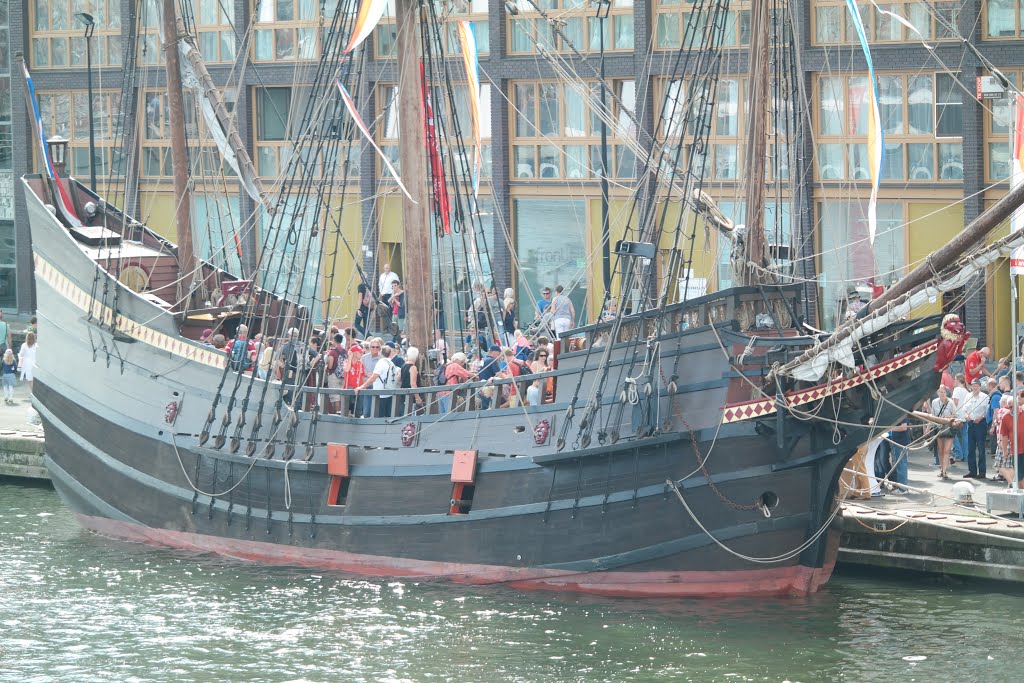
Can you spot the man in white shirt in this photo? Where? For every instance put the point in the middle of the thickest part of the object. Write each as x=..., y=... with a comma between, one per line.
x=383, y=377
x=384, y=282
x=973, y=411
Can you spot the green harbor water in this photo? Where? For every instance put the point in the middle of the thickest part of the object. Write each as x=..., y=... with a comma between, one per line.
x=76, y=607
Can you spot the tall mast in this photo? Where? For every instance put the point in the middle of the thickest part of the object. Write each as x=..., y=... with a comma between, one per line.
x=179, y=153
x=755, y=249
x=419, y=298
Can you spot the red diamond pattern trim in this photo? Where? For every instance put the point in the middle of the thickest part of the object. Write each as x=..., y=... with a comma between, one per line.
x=738, y=412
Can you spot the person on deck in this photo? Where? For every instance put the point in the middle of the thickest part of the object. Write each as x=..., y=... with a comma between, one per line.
x=490, y=368
x=241, y=351
x=409, y=378
x=397, y=303
x=387, y=276
x=355, y=375
x=384, y=376
x=369, y=363
x=366, y=304
x=455, y=372
x=335, y=372
x=563, y=313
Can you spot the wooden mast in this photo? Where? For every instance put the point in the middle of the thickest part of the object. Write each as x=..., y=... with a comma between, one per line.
x=416, y=276
x=755, y=250
x=179, y=154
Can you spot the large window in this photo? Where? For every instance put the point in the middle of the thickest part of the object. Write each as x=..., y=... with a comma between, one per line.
x=680, y=121
x=66, y=113
x=387, y=132
x=277, y=115
x=548, y=256
x=557, y=133
x=213, y=21
x=921, y=114
x=291, y=30
x=848, y=259
x=58, y=36
x=475, y=11
x=1003, y=19
x=884, y=21
x=580, y=25
x=999, y=122
x=676, y=24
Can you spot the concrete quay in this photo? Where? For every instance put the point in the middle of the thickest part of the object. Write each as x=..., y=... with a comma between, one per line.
x=21, y=443
x=928, y=531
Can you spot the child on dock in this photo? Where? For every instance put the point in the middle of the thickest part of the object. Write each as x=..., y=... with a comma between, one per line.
x=7, y=375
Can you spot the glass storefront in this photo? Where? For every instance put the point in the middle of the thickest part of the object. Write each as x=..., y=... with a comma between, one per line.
x=8, y=244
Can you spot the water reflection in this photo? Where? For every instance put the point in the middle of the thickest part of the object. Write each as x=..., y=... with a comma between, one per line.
x=74, y=607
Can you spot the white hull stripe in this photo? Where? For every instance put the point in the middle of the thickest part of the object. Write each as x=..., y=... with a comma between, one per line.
x=174, y=345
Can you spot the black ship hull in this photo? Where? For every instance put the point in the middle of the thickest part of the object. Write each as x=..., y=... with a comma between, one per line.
x=671, y=499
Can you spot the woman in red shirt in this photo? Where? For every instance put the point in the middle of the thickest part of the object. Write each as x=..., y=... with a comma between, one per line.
x=355, y=374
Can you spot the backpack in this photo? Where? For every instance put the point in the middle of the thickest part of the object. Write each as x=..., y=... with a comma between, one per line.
x=440, y=375
x=338, y=362
x=389, y=379
x=240, y=359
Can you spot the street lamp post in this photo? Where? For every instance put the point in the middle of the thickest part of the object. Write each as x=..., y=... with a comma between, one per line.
x=90, y=26
x=603, y=9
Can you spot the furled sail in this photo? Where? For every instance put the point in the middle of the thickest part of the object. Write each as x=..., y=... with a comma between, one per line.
x=840, y=347
x=190, y=79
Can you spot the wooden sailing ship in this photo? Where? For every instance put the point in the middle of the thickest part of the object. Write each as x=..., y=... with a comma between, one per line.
x=690, y=448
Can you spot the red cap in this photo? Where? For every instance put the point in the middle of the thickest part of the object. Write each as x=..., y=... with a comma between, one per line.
x=356, y=347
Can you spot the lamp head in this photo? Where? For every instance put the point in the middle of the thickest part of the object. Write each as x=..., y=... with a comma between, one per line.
x=85, y=18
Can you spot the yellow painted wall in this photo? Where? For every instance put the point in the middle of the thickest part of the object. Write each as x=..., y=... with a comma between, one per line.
x=340, y=254
x=930, y=226
x=156, y=211
x=389, y=212
x=1000, y=333
x=618, y=217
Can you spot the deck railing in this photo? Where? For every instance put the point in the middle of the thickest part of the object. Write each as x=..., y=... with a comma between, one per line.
x=394, y=403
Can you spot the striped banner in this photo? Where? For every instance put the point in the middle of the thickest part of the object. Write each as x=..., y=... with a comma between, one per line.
x=471, y=58
x=1016, y=178
x=876, y=137
x=62, y=198
x=351, y=106
x=370, y=12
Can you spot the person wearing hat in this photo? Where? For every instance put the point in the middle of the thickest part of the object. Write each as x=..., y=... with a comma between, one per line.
x=973, y=411
x=490, y=368
x=354, y=374
x=204, y=338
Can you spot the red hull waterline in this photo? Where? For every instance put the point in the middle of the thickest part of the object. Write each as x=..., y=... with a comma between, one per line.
x=793, y=580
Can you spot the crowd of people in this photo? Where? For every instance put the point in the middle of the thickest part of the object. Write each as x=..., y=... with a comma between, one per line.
x=373, y=354
x=972, y=422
